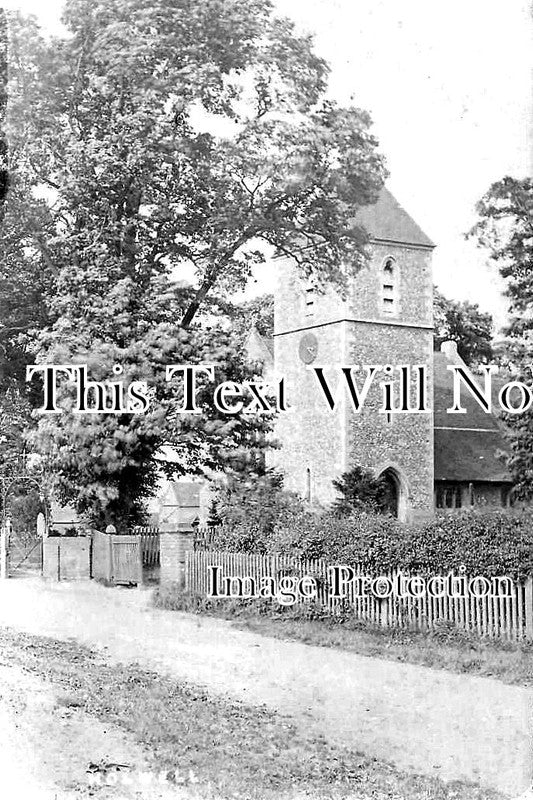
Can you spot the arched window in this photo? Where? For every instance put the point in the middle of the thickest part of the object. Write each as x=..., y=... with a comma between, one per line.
x=389, y=286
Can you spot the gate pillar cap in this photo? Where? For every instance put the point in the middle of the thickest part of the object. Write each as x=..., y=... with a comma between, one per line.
x=110, y=529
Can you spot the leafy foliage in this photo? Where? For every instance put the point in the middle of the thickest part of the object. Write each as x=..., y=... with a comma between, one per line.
x=256, y=313
x=24, y=507
x=359, y=489
x=487, y=542
x=111, y=463
x=464, y=323
x=490, y=543
x=14, y=420
x=4, y=173
x=149, y=142
x=250, y=508
x=505, y=228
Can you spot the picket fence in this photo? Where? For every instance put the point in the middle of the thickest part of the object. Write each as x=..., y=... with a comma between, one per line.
x=149, y=545
x=495, y=616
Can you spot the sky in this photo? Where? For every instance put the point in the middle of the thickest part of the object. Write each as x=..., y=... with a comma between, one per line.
x=449, y=88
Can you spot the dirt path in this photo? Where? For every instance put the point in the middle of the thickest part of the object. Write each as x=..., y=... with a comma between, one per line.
x=46, y=746
x=423, y=720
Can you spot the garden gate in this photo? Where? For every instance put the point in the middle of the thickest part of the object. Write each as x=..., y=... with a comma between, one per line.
x=23, y=525
x=117, y=558
x=24, y=551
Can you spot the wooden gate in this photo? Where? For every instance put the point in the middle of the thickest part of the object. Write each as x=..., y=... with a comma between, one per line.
x=24, y=552
x=127, y=559
x=116, y=558
x=150, y=544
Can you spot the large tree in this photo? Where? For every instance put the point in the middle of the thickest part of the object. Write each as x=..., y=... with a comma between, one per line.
x=151, y=140
x=109, y=465
x=463, y=323
x=505, y=229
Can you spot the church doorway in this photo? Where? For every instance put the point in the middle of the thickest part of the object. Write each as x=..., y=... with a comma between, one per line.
x=391, y=495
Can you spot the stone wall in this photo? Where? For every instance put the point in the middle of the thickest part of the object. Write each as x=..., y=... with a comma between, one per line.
x=322, y=444
x=403, y=442
x=291, y=312
x=313, y=437
x=413, y=286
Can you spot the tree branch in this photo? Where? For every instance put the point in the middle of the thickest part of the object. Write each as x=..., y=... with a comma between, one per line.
x=212, y=276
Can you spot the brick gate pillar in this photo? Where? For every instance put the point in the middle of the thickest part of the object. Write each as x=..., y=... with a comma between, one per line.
x=175, y=540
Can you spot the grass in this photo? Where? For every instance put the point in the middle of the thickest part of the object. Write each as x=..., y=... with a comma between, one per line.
x=446, y=648
x=236, y=751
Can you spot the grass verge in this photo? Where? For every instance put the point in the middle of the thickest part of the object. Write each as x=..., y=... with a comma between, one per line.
x=446, y=647
x=236, y=751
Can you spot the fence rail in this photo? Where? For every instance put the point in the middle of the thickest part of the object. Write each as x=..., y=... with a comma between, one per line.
x=150, y=545
x=205, y=536
x=493, y=615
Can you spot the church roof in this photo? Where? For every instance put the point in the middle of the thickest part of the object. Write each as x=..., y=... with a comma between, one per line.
x=184, y=494
x=387, y=221
x=467, y=446
x=259, y=347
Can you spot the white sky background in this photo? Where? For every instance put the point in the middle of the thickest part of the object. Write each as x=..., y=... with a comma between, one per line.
x=449, y=87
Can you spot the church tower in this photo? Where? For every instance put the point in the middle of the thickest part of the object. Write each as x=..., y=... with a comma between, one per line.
x=385, y=320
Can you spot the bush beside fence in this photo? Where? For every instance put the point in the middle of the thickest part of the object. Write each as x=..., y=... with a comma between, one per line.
x=488, y=541
x=508, y=618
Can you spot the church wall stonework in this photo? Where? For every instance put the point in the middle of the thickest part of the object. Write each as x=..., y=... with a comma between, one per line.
x=404, y=443
x=414, y=291
x=290, y=311
x=312, y=437
x=368, y=328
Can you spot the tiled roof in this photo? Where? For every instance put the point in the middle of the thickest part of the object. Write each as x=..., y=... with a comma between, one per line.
x=469, y=456
x=186, y=494
x=467, y=446
x=387, y=221
x=475, y=417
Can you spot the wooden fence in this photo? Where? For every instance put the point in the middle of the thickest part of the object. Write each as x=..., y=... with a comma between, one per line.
x=493, y=615
x=116, y=558
x=206, y=535
x=150, y=545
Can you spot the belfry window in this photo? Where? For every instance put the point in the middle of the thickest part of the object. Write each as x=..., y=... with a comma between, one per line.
x=309, y=300
x=389, y=286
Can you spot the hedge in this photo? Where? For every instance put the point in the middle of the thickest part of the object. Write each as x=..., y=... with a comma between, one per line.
x=487, y=542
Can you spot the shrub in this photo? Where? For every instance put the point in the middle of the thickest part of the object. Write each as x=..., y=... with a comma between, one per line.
x=359, y=489
x=260, y=517
x=365, y=537
x=250, y=510
x=487, y=542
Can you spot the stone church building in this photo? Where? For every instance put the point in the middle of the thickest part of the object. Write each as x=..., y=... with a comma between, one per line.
x=430, y=459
